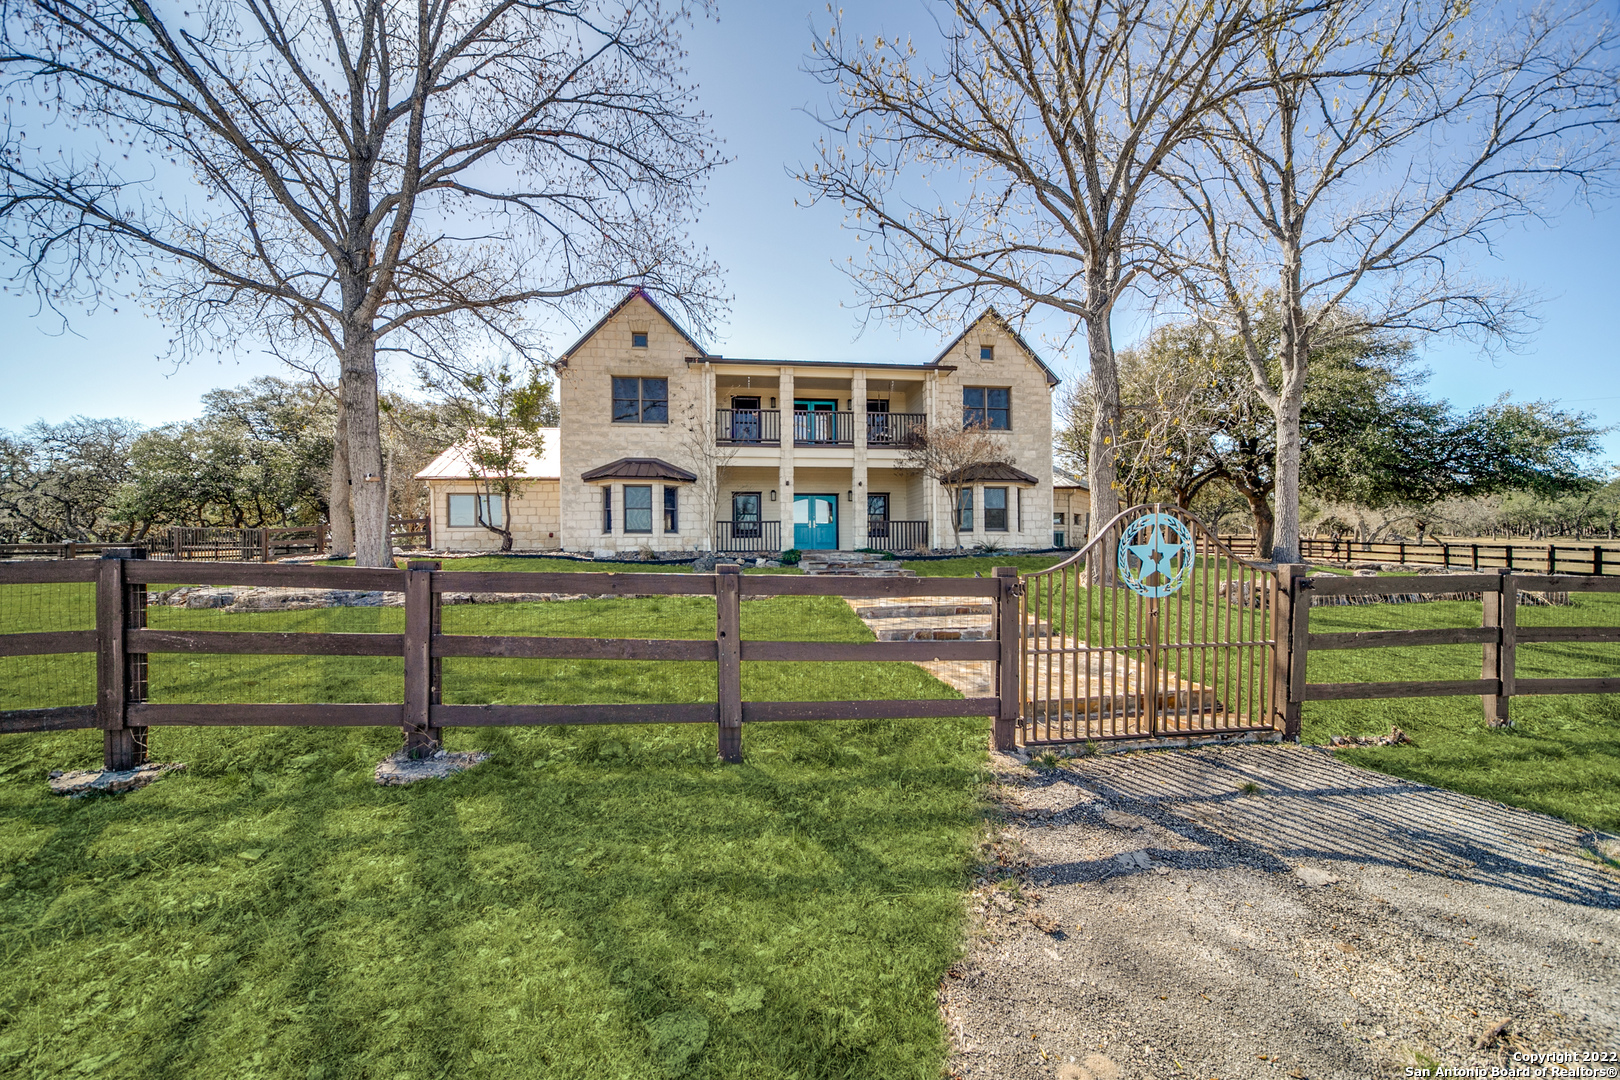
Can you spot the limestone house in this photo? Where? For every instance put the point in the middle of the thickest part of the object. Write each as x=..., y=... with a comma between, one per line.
x=456, y=495
x=665, y=446
x=1071, y=509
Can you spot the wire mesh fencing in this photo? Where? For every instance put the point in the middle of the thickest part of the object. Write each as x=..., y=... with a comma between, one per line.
x=56, y=679
x=192, y=677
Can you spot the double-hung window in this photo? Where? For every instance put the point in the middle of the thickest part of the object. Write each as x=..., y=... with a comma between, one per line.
x=964, y=510
x=607, y=510
x=995, y=509
x=987, y=406
x=638, y=508
x=471, y=511
x=640, y=401
x=672, y=514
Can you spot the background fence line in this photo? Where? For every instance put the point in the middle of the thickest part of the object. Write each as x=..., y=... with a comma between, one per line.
x=1547, y=558
x=220, y=543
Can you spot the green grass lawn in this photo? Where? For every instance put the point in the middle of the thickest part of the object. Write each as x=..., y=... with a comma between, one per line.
x=1562, y=754
x=593, y=902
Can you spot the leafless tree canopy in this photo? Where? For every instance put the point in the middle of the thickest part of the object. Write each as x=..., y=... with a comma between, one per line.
x=351, y=175
x=1020, y=167
x=1385, y=144
x=949, y=456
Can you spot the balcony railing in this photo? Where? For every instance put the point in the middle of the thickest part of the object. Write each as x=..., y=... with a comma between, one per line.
x=823, y=428
x=764, y=537
x=897, y=535
x=748, y=427
x=895, y=429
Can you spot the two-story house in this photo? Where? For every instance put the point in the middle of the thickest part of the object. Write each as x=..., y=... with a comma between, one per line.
x=665, y=446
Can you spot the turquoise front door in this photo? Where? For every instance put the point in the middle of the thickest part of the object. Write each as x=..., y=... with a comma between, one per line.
x=815, y=522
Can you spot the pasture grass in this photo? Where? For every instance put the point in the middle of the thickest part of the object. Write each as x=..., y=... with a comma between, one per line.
x=591, y=902
x=1561, y=756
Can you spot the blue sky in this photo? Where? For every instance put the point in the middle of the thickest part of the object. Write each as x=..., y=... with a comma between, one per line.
x=791, y=300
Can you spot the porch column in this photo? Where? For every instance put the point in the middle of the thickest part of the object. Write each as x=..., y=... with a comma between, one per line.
x=784, y=467
x=858, y=487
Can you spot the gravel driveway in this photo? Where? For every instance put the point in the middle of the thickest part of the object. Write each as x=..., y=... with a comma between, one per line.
x=1267, y=910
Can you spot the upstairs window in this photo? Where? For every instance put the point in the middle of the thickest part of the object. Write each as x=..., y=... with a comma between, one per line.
x=987, y=352
x=640, y=401
x=638, y=339
x=987, y=406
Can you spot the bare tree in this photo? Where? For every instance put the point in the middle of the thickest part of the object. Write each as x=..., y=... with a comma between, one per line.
x=701, y=441
x=497, y=414
x=1039, y=136
x=1385, y=142
x=952, y=457
x=346, y=178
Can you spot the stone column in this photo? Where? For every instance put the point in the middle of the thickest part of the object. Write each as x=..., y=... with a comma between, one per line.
x=858, y=485
x=784, y=468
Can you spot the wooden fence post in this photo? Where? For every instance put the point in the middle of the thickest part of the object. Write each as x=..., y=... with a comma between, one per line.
x=120, y=675
x=728, y=639
x=1501, y=614
x=1004, y=732
x=421, y=737
x=1291, y=619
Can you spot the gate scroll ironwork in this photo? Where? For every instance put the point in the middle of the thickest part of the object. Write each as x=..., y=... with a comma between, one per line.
x=1155, y=629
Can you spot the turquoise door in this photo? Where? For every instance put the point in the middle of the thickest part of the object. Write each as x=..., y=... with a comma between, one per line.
x=815, y=522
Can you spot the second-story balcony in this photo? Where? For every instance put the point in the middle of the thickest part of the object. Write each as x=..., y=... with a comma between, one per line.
x=763, y=427
x=894, y=430
x=748, y=427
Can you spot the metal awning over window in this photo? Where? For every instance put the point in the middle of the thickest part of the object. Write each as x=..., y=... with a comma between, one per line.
x=638, y=469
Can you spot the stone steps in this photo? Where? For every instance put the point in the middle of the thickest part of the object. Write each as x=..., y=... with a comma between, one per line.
x=851, y=563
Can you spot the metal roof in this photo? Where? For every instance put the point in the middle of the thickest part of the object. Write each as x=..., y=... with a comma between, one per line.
x=642, y=468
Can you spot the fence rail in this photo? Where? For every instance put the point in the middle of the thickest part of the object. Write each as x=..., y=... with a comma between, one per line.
x=1549, y=558
x=1498, y=635
x=123, y=643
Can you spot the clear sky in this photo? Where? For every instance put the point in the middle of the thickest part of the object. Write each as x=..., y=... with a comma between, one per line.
x=791, y=300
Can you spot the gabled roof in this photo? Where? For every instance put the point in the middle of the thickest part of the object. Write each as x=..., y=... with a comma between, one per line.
x=1063, y=479
x=454, y=464
x=638, y=468
x=615, y=309
x=995, y=316
x=982, y=473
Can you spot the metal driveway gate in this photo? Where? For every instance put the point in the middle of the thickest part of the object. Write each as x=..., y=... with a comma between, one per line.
x=1153, y=629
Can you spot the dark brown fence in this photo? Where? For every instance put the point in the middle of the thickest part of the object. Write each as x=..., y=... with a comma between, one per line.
x=214, y=543
x=1499, y=635
x=1545, y=558
x=121, y=642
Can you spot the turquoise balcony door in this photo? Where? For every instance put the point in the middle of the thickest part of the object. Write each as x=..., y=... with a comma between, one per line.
x=815, y=522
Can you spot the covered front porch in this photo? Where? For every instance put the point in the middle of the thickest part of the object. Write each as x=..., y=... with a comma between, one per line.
x=820, y=509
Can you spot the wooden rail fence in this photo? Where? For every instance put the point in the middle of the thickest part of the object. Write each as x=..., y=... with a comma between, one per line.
x=217, y=543
x=1548, y=558
x=122, y=643
x=1498, y=635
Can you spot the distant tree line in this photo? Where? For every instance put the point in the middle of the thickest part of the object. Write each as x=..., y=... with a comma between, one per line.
x=1374, y=448
x=259, y=455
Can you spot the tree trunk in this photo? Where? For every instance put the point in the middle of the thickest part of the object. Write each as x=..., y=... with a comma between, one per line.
x=1264, y=524
x=1105, y=422
x=369, y=497
x=339, y=509
x=1285, y=546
